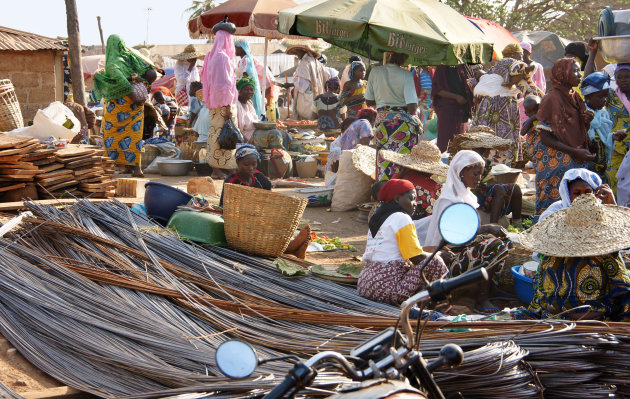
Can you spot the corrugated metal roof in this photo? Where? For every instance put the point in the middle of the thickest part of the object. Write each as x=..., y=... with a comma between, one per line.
x=17, y=40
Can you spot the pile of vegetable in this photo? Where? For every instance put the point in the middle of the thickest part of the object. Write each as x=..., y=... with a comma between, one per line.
x=330, y=244
x=527, y=223
x=345, y=270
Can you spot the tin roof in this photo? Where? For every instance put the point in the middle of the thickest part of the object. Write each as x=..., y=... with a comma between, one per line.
x=17, y=40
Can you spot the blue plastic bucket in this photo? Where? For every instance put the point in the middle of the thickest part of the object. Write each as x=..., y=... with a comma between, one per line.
x=523, y=285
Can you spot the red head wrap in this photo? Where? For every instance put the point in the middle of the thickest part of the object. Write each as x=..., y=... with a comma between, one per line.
x=393, y=188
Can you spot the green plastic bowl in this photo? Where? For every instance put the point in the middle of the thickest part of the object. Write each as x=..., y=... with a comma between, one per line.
x=203, y=227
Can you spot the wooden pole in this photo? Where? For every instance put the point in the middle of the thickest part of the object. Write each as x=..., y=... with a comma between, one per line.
x=100, y=32
x=74, y=52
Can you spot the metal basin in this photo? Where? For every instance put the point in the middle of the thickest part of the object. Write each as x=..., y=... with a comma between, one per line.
x=615, y=49
x=175, y=167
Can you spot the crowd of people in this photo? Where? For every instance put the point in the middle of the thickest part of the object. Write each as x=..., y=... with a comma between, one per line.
x=573, y=134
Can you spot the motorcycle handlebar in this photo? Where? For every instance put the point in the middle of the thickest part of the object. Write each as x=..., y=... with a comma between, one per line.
x=283, y=388
x=437, y=290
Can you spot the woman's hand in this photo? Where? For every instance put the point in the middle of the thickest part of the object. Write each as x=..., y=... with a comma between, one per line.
x=589, y=115
x=593, y=45
x=461, y=100
x=619, y=135
x=447, y=256
x=494, y=229
x=228, y=112
x=416, y=260
x=604, y=193
x=583, y=155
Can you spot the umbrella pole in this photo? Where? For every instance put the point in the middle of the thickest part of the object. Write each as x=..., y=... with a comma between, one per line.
x=262, y=86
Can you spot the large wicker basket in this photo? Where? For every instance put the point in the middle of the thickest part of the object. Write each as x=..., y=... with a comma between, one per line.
x=10, y=113
x=258, y=221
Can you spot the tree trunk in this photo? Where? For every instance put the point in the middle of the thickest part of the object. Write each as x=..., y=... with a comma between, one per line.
x=74, y=53
x=100, y=32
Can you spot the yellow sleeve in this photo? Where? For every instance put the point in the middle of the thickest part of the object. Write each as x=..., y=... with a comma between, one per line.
x=408, y=241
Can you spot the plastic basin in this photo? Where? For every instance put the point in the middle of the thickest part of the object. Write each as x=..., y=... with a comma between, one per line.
x=201, y=227
x=161, y=200
x=523, y=285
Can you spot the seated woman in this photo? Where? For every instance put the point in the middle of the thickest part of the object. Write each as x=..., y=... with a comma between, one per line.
x=165, y=104
x=245, y=112
x=195, y=103
x=576, y=182
x=355, y=132
x=497, y=200
x=464, y=174
x=353, y=91
x=581, y=263
x=326, y=106
x=247, y=173
x=421, y=168
x=393, y=255
x=595, y=88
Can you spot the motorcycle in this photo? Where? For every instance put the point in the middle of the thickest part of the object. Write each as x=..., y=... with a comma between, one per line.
x=389, y=364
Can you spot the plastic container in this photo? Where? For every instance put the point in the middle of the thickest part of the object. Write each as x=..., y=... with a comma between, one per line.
x=161, y=200
x=523, y=285
x=316, y=196
x=206, y=228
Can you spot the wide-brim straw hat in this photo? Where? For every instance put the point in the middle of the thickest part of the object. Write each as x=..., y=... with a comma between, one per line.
x=424, y=157
x=293, y=50
x=587, y=228
x=478, y=137
x=364, y=159
x=189, y=53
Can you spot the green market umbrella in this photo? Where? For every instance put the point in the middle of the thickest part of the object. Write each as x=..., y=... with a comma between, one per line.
x=430, y=32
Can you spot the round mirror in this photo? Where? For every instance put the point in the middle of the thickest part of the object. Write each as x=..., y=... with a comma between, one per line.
x=236, y=359
x=459, y=223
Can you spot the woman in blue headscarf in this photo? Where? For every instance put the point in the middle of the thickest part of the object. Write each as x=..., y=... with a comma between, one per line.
x=576, y=182
x=595, y=88
x=247, y=66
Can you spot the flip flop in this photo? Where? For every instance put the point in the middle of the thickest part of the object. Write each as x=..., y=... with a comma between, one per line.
x=489, y=310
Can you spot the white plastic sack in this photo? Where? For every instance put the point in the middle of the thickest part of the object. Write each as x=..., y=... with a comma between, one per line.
x=48, y=122
x=352, y=187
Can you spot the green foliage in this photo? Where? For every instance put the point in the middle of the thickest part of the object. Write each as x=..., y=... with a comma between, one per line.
x=574, y=19
x=198, y=7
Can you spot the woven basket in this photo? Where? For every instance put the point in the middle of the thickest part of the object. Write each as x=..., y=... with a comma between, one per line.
x=10, y=113
x=517, y=256
x=258, y=221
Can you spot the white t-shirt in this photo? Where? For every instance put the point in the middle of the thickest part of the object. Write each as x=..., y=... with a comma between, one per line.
x=395, y=240
x=391, y=85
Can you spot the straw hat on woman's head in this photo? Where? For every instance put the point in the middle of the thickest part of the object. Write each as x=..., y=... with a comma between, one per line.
x=425, y=157
x=364, y=159
x=306, y=48
x=478, y=137
x=189, y=53
x=586, y=228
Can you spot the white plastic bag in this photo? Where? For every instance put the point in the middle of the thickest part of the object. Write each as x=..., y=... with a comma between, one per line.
x=49, y=122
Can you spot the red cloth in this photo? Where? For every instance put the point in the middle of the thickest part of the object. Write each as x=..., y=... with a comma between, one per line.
x=394, y=187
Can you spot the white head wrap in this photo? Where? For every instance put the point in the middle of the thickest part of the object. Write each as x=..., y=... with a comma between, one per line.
x=453, y=191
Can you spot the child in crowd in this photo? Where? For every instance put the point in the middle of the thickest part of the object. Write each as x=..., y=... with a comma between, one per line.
x=195, y=103
x=595, y=89
x=531, y=104
x=247, y=173
x=325, y=106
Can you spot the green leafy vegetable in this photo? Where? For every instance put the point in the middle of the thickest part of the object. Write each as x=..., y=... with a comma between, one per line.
x=349, y=269
x=288, y=269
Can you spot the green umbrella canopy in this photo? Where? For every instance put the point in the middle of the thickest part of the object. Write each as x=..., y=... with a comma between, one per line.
x=430, y=32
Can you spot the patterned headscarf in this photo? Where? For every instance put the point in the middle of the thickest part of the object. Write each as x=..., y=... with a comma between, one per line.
x=333, y=83
x=245, y=81
x=511, y=50
x=595, y=82
x=243, y=150
x=355, y=64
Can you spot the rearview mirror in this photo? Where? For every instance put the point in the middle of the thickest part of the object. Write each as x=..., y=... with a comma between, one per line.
x=459, y=223
x=236, y=359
